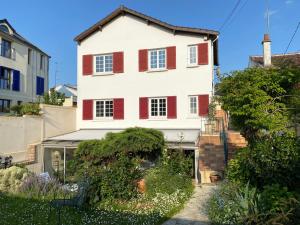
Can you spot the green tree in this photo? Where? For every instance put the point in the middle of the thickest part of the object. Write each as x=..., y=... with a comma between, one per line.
x=261, y=101
x=53, y=97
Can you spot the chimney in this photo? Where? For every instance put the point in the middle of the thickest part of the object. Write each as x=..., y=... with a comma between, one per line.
x=267, y=50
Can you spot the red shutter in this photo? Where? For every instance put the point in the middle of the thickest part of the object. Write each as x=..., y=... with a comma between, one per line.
x=87, y=109
x=203, y=54
x=118, y=61
x=118, y=108
x=87, y=64
x=203, y=101
x=171, y=57
x=172, y=107
x=144, y=108
x=143, y=60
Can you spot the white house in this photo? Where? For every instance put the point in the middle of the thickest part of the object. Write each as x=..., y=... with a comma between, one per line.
x=70, y=92
x=23, y=69
x=135, y=70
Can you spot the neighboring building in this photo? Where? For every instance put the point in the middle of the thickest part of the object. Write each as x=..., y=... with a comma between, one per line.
x=134, y=70
x=277, y=59
x=70, y=92
x=267, y=59
x=23, y=69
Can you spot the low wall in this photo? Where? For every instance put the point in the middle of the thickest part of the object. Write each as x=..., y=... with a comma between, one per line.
x=58, y=120
x=18, y=134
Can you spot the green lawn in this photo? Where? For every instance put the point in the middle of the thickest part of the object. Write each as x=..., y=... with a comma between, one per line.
x=16, y=210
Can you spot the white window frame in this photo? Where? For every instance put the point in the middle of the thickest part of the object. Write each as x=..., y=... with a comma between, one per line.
x=104, y=117
x=195, y=113
x=105, y=71
x=158, y=108
x=189, y=56
x=157, y=59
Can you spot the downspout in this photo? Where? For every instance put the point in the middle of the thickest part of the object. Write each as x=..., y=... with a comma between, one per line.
x=212, y=59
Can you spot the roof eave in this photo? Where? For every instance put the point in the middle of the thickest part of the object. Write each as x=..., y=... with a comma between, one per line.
x=123, y=10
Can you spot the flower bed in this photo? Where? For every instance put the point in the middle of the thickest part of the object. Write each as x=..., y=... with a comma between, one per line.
x=141, y=211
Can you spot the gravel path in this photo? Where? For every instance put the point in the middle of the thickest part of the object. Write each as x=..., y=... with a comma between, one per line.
x=194, y=213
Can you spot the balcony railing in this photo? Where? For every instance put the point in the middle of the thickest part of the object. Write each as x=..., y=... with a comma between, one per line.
x=7, y=52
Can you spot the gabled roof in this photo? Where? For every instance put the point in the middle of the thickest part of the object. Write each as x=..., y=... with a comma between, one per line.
x=277, y=59
x=124, y=10
x=18, y=37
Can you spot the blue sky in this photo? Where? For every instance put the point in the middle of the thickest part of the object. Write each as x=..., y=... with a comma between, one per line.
x=53, y=24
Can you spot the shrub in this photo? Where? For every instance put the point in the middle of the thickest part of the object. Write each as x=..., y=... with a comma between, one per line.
x=11, y=179
x=176, y=162
x=30, y=109
x=17, y=110
x=36, y=187
x=118, y=179
x=53, y=97
x=173, y=173
x=112, y=163
x=237, y=205
x=266, y=162
x=160, y=180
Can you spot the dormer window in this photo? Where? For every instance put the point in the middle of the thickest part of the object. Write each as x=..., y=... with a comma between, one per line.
x=4, y=28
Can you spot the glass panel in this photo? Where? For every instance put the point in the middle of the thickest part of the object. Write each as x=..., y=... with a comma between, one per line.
x=193, y=54
x=108, y=63
x=5, y=79
x=154, y=107
x=193, y=105
x=162, y=107
x=99, y=109
x=153, y=59
x=99, y=64
x=162, y=58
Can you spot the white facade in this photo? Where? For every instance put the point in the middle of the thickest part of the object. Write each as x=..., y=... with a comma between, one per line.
x=130, y=34
x=29, y=69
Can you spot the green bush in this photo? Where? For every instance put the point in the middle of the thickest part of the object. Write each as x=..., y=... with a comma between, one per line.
x=30, y=109
x=173, y=173
x=112, y=163
x=239, y=205
x=118, y=179
x=266, y=162
x=17, y=110
x=53, y=97
x=160, y=180
x=12, y=178
x=176, y=162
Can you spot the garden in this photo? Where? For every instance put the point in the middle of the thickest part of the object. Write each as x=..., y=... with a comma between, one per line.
x=125, y=178
x=262, y=184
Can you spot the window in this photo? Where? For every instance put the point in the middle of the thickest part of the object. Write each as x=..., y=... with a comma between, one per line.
x=6, y=48
x=40, y=85
x=4, y=28
x=42, y=62
x=4, y=106
x=158, y=107
x=192, y=55
x=29, y=56
x=157, y=59
x=193, y=104
x=5, y=78
x=104, y=108
x=104, y=63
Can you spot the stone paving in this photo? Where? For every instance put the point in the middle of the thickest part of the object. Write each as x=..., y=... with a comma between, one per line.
x=194, y=212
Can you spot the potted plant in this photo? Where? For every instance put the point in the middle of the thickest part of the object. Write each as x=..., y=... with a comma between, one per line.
x=215, y=177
